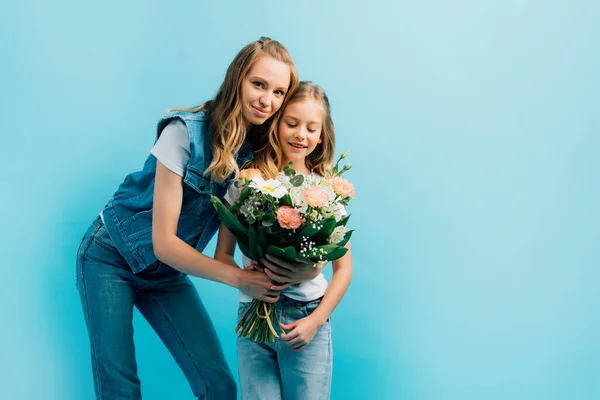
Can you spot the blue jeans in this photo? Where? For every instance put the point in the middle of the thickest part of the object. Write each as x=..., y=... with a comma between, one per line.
x=167, y=299
x=273, y=371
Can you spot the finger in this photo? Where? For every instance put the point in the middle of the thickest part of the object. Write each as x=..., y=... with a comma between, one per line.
x=269, y=298
x=277, y=287
x=287, y=264
x=275, y=277
x=290, y=337
x=289, y=327
x=280, y=262
x=296, y=342
x=299, y=348
x=277, y=268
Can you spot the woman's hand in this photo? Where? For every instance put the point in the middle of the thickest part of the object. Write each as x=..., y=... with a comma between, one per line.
x=259, y=286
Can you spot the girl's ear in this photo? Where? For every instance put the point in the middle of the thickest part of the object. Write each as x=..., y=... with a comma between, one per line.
x=320, y=139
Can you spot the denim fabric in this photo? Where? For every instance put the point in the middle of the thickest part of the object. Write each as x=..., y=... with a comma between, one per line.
x=128, y=215
x=167, y=299
x=274, y=371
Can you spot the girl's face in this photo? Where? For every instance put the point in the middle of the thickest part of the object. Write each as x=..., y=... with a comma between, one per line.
x=263, y=89
x=300, y=130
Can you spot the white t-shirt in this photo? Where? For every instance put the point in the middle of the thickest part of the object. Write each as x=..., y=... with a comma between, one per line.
x=172, y=148
x=304, y=291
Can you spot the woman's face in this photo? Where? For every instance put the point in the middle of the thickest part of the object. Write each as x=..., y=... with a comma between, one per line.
x=264, y=89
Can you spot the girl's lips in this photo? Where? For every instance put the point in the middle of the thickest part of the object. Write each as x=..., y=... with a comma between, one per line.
x=296, y=147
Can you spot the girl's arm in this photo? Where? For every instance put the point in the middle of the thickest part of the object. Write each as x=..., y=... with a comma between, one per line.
x=303, y=330
x=168, y=248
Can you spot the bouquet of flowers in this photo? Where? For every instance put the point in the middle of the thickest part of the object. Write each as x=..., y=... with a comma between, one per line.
x=293, y=217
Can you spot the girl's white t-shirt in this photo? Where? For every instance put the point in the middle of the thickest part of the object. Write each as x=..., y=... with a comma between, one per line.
x=304, y=291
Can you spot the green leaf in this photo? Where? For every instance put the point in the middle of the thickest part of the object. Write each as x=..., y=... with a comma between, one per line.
x=261, y=242
x=243, y=245
x=244, y=194
x=268, y=219
x=343, y=221
x=261, y=237
x=307, y=232
x=288, y=253
x=230, y=220
x=336, y=254
x=286, y=200
x=346, y=238
x=297, y=180
x=252, y=243
x=234, y=208
x=288, y=170
x=327, y=227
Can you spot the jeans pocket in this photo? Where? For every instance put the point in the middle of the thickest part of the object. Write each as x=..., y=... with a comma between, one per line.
x=311, y=306
x=103, y=239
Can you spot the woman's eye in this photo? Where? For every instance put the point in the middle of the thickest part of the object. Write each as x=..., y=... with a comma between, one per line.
x=258, y=84
x=279, y=92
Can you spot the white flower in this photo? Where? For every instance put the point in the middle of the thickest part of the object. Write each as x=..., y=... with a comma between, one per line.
x=284, y=179
x=338, y=235
x=330, y=193
x=271, y=186
x=338, y=210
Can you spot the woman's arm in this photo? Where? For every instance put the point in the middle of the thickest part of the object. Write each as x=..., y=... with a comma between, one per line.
x=168, y=248
x=302, y=331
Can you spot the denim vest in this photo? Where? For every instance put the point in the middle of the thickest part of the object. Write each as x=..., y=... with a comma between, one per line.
x=128, y=215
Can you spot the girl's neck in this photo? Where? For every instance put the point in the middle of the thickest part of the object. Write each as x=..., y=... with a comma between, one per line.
x=303, y=170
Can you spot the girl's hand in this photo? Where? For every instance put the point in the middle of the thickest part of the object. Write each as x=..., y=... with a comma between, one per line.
x=301, y=333
x=292, y=272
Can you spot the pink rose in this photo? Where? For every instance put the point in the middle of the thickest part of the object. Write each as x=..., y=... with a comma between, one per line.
x=288, y=217
x=342, y=187
x=315, y=196
x=250, y=174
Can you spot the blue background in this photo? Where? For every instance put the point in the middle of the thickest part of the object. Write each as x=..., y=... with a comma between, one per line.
x=472, y=126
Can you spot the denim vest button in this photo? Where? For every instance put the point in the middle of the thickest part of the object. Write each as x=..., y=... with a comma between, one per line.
x=202, y=187
x=135, y=262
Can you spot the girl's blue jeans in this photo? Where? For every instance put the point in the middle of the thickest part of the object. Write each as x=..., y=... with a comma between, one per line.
x=274, y=371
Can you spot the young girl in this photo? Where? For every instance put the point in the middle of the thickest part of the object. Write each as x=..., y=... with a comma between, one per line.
x=299, y=364
x=151, y=233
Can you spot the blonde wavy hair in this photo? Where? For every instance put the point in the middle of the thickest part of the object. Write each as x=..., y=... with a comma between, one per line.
x=225, y=111
x=268, y=157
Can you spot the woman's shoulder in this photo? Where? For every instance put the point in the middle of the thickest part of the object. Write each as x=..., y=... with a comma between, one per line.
x=186, y=114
